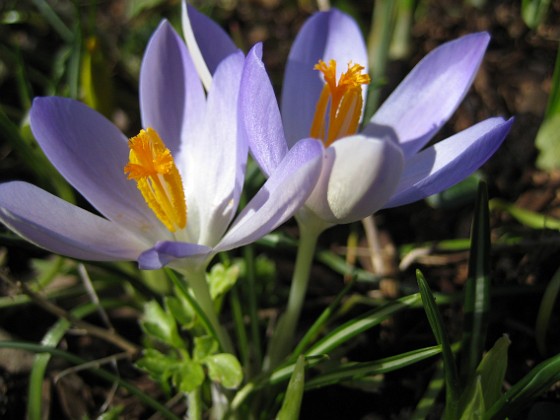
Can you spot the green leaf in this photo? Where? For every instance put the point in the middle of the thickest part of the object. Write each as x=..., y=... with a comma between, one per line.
x=477, y=288
x=548, y=143
x=492, y=370
x=160, y=325
x=526, y=217
x=348, y=371
x=534, y=12
x=546, y=307
x=436, y=322
x=222, y=279
x=182, y=311
x=225, y=369
x=537, y=381
x=456, y=196
x=358, y=325
x=474, y=409
x=204, y=346
x=294, y=393
x=96, y=78
x=188, y=376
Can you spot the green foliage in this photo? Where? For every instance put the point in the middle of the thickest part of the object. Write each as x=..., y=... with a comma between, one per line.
x=221, y=279
x=548, y=139
x=294, y=393
x=534, y=12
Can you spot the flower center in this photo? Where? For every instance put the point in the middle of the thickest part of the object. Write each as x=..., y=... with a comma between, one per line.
x=153, y=168
x=338, y=110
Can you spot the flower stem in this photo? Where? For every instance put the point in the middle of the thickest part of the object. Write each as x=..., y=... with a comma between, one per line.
x=197, y=281
x=283, y=337
x=195, y=404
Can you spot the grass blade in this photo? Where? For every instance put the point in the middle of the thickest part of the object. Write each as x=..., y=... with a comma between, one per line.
x=537, y=381
x=477, y=289
x=294, y=393
x=545, y=311
x=436, y=322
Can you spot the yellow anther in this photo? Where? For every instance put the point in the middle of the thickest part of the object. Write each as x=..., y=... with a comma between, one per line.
x=152, y=166
x=343, y=101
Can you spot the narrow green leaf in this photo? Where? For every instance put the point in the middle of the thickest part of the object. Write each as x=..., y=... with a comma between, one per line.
x=349, y=371
x=474, y=407
x=537, y=381
x=436, y=322
x=430, y=396
x=477, y=288
x=526, y=217
x=294, y=393
x=534, y=12
x=51, y=339
x=101, y=373
x=358, y=325
x=548, y=143
x=54, y=20
x=492, y=370
x=96, y=79
x=546, y=307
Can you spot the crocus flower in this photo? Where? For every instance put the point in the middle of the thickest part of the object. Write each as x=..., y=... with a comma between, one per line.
x=383, y=165
x=172, y=191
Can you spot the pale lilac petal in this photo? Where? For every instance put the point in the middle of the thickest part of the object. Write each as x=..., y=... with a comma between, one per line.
x=359, y=175
x=171, y=95
x=260, y=114
x=91, y=153
x=326, y=35
x=166, y=252
x=216, y=157
x=280, y=197
x=208, y=43
x=63, y=228
x=450, y=161
x=430, y=94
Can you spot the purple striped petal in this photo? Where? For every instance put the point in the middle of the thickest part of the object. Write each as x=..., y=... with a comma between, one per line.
x=171, y=95
x=260, y=114
x=165, y=252
x=431, y=92
x=359, y=175
x=280, y=197
x=326, y=35
x=91, y=153
x=216, y=157
x=450, y=161
x=63, y=228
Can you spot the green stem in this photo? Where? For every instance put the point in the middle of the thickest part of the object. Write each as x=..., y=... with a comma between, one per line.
x=197, y=281
x=195, y=404
x=283, y=337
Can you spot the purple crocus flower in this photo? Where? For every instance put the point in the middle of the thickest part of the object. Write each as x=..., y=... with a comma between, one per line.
x=383, y=165
x=172, y=191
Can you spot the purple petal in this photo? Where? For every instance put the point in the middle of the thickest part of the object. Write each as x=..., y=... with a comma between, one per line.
x=91, y=153
x=166, y=252
x=260, y=114
x=208, y=43
x=216, y=157
x=326, y=35
x=171, y=95
x=450, y=161
x=63, y=228
x=280, y=197
x=358, y=177
x=432, y=91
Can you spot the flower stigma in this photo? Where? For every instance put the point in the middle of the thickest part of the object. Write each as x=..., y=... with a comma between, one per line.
x=342, y=102
x=152, y=166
